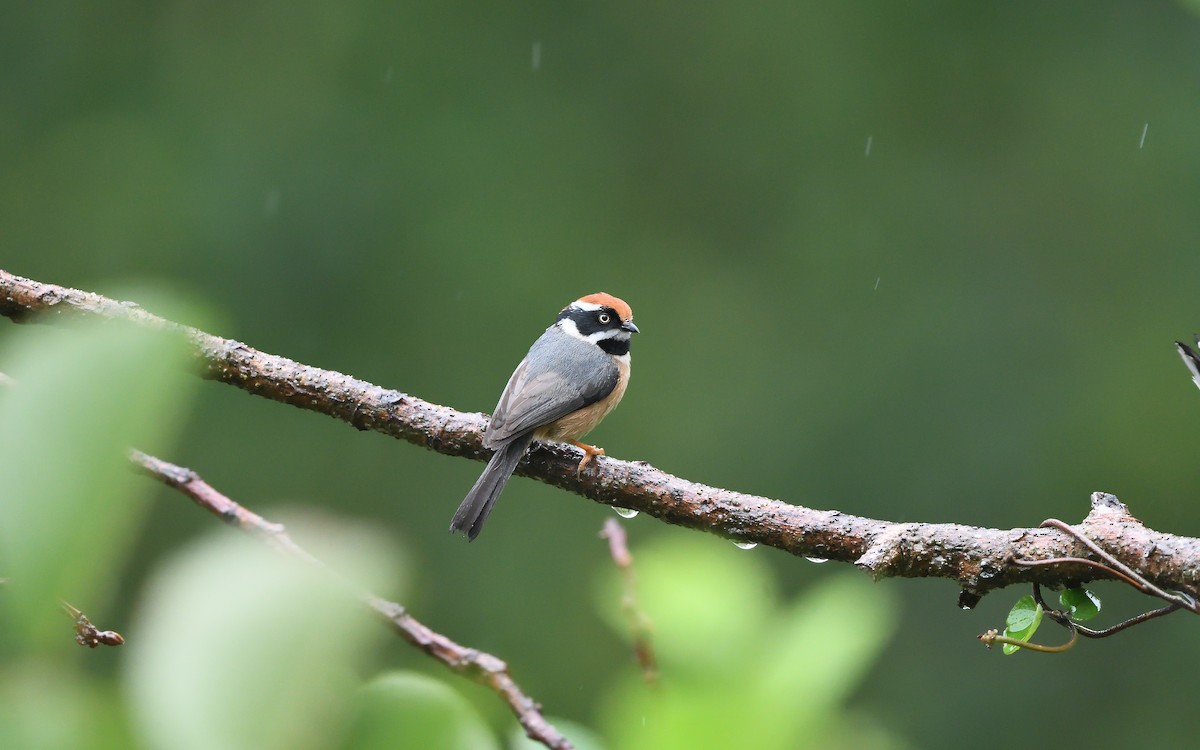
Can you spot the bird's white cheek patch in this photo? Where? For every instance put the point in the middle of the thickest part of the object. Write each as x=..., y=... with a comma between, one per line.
x=568, y=326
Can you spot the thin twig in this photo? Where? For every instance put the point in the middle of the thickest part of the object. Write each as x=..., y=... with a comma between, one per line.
x=1079, y=561
x=1128, y=623
x=639, y=623
x=1138, y=581
x=476, y=665
x=1064, y=618
x=992, y=637
x=977, y=558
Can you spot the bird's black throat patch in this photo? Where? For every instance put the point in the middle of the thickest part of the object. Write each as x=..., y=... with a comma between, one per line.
x=616, y=347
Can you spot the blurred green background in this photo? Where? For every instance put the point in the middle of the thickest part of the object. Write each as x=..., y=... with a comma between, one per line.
x=914, y=261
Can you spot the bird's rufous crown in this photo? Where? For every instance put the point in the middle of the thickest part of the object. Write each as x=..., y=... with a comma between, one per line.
x=607, y=300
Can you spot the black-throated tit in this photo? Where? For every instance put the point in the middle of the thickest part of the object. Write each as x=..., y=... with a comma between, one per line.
x=573, y=375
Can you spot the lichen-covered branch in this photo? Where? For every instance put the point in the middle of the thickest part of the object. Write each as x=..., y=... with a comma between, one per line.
x=979, y=559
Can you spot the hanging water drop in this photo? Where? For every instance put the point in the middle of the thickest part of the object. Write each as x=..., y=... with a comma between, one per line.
x=745, y=545
x=625, y=512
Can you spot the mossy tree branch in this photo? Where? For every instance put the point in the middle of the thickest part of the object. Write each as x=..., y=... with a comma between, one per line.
x=978, y=559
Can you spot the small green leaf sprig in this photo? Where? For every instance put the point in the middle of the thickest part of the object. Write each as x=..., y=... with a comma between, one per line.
x=1078, y=604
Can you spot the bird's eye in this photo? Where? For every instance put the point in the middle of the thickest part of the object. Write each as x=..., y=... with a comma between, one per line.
x=603, y=318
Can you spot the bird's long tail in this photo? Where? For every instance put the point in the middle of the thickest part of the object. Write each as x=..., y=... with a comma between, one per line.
x=478, y=503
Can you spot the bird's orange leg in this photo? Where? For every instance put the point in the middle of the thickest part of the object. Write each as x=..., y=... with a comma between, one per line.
x=588, y=452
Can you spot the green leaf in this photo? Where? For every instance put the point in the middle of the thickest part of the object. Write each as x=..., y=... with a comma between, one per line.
x=837, y=629
x=793, y=672
x=706, y=616
x=83, y=394
x=405, y=709
x=1082, y=603
x=1022, y=614
x=581, y=737
x=238, y=646
x=1022, y=622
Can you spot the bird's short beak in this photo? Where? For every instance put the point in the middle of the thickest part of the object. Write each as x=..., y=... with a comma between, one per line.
x=629, y=326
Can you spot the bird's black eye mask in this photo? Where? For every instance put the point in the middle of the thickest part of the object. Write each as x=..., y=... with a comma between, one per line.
x=592, y=321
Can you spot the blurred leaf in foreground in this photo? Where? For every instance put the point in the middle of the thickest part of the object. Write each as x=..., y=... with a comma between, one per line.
x=83, y=394
x=738, y=669
x=404, y=709
x=240, y=646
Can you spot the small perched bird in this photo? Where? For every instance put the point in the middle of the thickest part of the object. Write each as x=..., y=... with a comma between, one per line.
x=573, y=375
x=1191, y=359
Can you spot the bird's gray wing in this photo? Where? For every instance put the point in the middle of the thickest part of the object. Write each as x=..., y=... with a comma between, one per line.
x=541, y=391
